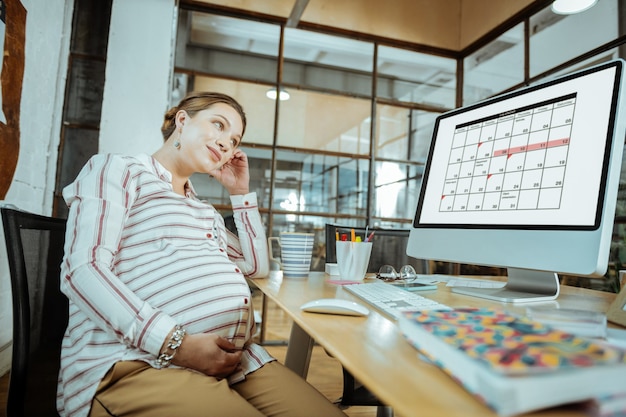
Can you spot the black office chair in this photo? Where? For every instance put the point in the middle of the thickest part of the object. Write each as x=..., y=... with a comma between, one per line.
x=40, y=311
x=389, y=248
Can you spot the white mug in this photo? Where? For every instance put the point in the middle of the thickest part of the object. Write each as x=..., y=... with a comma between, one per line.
x=296, y=250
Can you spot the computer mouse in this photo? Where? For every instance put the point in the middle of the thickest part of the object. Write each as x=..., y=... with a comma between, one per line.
x=335, y=306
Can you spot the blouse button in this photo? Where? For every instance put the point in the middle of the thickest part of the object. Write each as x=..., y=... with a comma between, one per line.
x=245, y=301
x=209, y=235
x=247, y=203
x=221, y=250
x=237, y=270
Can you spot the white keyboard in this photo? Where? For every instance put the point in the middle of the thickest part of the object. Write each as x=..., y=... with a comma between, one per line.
x=392, y=300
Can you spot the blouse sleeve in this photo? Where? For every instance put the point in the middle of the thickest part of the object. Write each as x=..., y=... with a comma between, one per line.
x=99, y=202
x=249, y=251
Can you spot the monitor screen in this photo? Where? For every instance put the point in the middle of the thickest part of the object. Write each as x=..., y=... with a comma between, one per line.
x=527, y=181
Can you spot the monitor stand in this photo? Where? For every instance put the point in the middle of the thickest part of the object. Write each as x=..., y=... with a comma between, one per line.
x=523, y=286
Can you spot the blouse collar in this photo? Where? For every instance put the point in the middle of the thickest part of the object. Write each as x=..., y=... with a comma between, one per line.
x=155, y=166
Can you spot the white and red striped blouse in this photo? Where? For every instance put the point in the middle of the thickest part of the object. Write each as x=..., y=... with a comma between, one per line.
x=140, y=259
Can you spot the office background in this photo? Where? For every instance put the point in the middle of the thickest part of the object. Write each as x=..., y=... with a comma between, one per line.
x=365, y=81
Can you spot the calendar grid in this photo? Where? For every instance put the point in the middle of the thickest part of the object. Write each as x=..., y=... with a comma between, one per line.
x=511, y=161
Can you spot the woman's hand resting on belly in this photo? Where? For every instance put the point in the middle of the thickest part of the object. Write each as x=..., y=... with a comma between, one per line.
x=209, y=354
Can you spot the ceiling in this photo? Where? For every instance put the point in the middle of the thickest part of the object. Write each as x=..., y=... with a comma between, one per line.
x=447, y=25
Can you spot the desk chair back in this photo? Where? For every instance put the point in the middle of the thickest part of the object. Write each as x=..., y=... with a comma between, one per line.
x=389, y=247
x=40, y=311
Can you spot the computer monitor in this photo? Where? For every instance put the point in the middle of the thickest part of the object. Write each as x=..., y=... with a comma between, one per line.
x=527, y=181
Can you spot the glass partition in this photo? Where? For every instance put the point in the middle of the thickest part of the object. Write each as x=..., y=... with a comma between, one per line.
x=227, y=46
x=497, y=66
x=320, y=184
x=394, y=126
x=325, y=122
x=259, y=110
x=402, y=133
x=596, y=59
x=402, y=143
x=556, y=39
x=396, y=189
x=416, y=77
x=423, y=125
x=324, y=62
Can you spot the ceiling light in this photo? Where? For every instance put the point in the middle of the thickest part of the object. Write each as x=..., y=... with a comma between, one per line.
x=572, y=6
x=271, y=94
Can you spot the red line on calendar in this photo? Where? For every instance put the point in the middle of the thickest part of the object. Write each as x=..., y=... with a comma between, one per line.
x=533, y=147
x=510, y=161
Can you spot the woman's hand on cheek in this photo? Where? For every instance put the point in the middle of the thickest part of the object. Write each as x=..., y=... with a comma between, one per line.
x=234, y=175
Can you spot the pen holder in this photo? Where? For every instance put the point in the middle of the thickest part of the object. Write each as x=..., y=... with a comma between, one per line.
x=353, y=259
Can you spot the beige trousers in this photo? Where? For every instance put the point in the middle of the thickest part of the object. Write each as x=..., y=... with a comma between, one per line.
x=136, y=389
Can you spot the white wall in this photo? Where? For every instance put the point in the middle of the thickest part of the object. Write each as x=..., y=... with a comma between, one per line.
x=48, y=25
x=139, y=66
x=136, y=94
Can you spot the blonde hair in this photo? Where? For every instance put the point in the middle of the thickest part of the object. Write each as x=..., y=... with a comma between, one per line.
x=197, y=101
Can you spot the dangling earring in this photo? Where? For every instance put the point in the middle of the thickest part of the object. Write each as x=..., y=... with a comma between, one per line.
x=177, y=141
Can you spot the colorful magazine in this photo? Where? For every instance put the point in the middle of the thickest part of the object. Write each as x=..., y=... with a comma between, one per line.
x=513, y=364
x=512, y=344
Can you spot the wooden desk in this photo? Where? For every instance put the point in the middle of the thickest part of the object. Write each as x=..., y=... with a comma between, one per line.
x=376, y=353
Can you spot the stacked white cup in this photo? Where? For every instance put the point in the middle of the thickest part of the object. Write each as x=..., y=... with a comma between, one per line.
x=296, y=250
